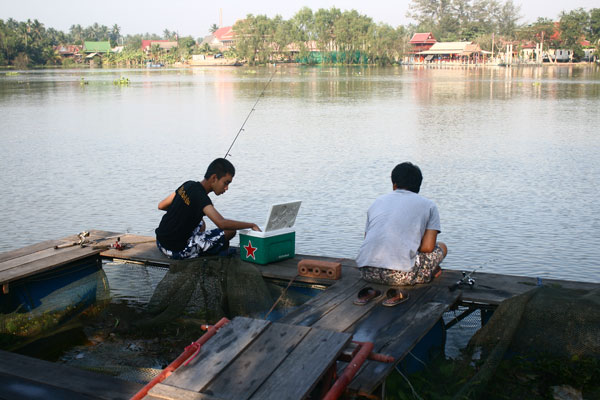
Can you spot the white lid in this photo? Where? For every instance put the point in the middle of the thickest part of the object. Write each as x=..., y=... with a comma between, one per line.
x=282, y=216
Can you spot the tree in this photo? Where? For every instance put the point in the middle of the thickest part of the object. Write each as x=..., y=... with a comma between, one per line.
x=429, y=13
x=507, y=17
x=324, y=25
x=213, y=28
x=76, y=32
x=595, y=25
x=115, y=34
x=572, y=30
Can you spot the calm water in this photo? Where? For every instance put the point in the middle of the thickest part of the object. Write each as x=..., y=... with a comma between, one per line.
x=511, y=156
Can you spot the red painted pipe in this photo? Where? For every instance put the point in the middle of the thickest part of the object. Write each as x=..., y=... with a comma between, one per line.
x=381, y=358
x=189, y=351
x=351, y=369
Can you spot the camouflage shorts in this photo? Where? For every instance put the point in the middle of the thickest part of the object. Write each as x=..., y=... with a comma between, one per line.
x=426, y=265
x=201, y=243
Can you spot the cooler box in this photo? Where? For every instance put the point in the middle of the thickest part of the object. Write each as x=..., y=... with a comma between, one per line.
x=267, y=247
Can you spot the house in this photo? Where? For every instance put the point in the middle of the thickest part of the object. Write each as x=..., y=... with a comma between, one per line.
x=457, y=52
x=96, y=47
x=420, y=42
x=162, y=44
x=528, y=50
x=68, y=50
x=222, y=39
x=71, y=51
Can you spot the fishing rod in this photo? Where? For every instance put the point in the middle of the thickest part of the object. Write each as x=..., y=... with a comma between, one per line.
x=253, y=108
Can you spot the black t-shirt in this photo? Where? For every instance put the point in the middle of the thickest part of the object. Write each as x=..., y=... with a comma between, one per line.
x=183, y=216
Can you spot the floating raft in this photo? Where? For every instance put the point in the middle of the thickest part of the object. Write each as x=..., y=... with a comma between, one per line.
x=275, y=357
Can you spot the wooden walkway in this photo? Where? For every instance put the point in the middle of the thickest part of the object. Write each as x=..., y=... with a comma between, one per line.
x=24, y=377
x=256, y=358
x=42, y=257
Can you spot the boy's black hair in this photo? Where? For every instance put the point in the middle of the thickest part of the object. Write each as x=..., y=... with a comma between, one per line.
x=407, y=176
x=221, y=167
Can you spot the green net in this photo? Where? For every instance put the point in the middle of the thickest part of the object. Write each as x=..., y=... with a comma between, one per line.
x=212, y=287
x=546, y=338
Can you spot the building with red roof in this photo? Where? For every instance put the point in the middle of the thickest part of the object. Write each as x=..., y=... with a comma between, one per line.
x=223, y=38
x=422, y=42
x=163, y=44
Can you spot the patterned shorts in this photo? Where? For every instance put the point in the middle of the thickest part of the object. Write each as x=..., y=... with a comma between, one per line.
x=426, y=265
x=200, y=243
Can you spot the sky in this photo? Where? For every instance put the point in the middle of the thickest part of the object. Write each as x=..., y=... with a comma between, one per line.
x=194, y=18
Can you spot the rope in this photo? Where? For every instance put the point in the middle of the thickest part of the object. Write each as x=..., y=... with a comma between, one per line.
x=281, y=296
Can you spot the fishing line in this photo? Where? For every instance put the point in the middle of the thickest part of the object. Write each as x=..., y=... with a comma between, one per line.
x=253, y=108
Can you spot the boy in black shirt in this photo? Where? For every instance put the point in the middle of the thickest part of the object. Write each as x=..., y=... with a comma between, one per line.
x=182, y=231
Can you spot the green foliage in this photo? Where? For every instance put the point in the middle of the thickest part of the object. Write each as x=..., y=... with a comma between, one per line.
x=340, y=37
x=594, y=30
x=519, y=377
x=325, y=36
x=465, y=19
x=572, y=30
x=121, y=81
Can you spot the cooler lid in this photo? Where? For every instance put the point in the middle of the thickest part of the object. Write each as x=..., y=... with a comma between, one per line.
x=282, y=215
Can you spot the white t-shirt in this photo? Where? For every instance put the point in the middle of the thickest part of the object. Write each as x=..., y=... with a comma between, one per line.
x=396, y=223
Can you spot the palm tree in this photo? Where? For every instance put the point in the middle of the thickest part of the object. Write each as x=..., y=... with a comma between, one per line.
x=115, y=33
x=77, y=32
x=213, y=28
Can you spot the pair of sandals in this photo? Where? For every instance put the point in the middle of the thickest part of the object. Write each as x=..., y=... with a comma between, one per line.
x=393, y=296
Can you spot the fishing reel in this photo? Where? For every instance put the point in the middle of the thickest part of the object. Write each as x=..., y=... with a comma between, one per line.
x=82, y=238
x=467, y=279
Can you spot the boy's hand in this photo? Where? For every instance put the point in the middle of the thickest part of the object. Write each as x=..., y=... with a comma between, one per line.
x=256, y=228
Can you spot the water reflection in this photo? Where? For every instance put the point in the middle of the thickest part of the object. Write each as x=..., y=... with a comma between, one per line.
x=509, y=154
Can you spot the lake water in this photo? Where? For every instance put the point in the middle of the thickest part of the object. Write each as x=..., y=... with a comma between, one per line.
x=510, y=155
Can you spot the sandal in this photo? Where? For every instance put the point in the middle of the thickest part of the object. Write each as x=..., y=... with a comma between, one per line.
x=394, y=297
x=365, y=295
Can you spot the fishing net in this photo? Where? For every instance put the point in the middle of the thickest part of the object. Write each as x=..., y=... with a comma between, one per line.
x=547, y=336
x=212, y=288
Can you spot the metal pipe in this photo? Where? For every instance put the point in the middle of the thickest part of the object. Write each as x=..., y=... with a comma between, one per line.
x=189, y=351
x=357, y=361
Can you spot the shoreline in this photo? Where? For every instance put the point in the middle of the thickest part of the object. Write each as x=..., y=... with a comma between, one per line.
x=581, y=64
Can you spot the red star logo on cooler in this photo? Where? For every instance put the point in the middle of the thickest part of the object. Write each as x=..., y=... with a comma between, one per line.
x=250, y=250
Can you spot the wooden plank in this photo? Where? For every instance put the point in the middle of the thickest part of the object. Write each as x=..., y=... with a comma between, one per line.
x=48, y=244
x=495, y=288
x=16, y=388
x=242, y=378
x=217, y=353
x=142, y=249
x=288, y=269
x=302, y=369
x=167, y=392
x=37, y=256
x=402, y=335
x=9, y=255
x=76, y=380
x=48, y=263
x=376, y=324
x=316, y=308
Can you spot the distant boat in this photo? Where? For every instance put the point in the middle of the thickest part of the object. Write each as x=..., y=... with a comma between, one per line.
x=150, y=64
x=216, y=60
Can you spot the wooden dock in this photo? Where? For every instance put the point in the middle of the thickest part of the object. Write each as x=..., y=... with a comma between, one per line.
x=261, y=359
